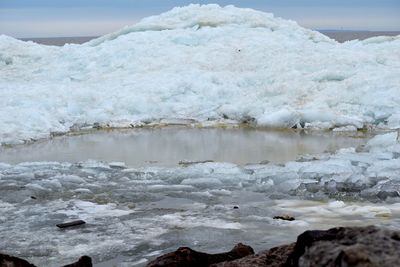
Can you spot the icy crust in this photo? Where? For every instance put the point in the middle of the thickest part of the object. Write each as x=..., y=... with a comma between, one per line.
x=142, y=210
x=367, y=173
x=201, y=64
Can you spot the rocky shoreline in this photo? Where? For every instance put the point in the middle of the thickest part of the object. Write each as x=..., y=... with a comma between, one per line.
x=11, y=261
x=342, y=246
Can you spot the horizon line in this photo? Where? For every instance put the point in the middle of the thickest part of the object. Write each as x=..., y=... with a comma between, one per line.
x=96, y=36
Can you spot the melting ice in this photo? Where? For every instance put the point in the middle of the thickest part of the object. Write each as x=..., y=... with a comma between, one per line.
x=196, y=65
x=200, y=63
x=137, y=212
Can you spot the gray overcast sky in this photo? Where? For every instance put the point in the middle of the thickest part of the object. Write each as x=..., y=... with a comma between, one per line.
x=45, y=18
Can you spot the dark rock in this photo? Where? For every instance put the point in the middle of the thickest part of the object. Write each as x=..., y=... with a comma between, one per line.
x=84, y=261
x=383, y=195
x=10, y=261
x=185, y=256
x=284, y=217
x=247, y=120
x=275, y=257
x=188, y=163
x=235, y=207
x=337, y=247
x=70, y=224
x=347, y=246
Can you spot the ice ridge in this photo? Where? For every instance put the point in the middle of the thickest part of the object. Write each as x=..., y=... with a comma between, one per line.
x=196, y=16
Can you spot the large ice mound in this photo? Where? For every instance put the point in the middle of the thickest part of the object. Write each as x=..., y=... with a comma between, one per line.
x=203, y=63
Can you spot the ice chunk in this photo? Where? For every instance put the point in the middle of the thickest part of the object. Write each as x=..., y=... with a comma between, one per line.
x=279, y=119
x=382, y=142
x=204, y=182
x=349, y=128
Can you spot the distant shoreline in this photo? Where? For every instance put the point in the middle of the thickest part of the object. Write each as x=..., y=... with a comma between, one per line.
x=59, y=41
x=343, y=36
x=338, y=35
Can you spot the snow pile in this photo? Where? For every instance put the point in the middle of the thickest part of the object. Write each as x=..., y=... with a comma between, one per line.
x=198, y=16
x=200, y=63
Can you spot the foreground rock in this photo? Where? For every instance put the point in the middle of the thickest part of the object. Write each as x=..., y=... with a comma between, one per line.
x=347, y=246
x=337, y=247
x=10, y=261
x=184, y=257
x=83, y=261
x=275, y=257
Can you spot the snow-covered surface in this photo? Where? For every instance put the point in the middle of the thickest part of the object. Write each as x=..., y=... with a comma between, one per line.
x=196, y=65
x=199, y=64
x=141, y=212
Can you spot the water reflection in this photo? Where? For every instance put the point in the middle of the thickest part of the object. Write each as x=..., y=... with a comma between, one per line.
x=168, y=146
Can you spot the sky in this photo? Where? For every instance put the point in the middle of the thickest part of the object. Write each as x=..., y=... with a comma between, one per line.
x=61, y=18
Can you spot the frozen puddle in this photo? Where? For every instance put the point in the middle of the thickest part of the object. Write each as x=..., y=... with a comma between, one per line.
x=135, y=213
x=171, y=145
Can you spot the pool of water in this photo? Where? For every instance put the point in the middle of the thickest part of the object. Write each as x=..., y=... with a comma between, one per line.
x=145, y=192
x=171, y=145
